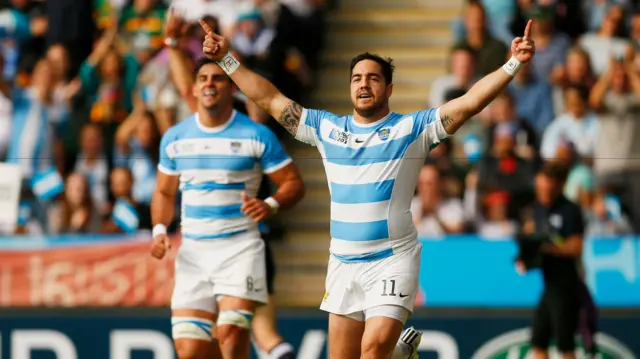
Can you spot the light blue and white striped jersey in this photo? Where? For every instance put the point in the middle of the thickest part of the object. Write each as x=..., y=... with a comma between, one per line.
x=372, y=172
x=32, y=133
x=215, y=165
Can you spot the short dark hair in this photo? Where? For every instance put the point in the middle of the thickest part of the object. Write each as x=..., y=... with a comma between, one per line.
x=555, y=171
x=463, y=48
x=583, y=91
x=201, y=63
x=386, y=64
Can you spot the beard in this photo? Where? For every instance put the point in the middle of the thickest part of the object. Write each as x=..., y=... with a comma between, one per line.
x=369, y=111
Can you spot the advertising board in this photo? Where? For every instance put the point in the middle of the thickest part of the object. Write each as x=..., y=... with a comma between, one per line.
x=137, y=334
x=469, y=272
x=457, y=272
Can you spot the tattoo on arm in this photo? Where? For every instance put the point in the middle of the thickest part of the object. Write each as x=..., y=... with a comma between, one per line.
x=290, y=117
x=447, y=121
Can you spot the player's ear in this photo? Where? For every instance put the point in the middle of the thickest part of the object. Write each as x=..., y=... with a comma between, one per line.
x=389, y=90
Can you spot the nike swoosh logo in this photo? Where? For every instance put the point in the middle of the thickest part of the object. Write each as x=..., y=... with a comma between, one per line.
x=359, y=140
x=403, y=295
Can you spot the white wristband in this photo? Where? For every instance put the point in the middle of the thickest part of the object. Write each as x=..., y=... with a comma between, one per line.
x=512, y=66
x=229, y=64
x=159, y=229
x=271, y=202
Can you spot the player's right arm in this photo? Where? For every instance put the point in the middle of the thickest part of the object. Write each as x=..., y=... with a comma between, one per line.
x=164, y=199
x=258, y=89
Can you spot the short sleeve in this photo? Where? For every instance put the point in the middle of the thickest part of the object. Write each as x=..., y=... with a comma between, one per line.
x=309, y=125
x=167, y=164
x=274, y=156
x=428, y=127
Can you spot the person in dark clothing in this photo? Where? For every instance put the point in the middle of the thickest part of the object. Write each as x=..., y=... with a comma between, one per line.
x=71, y=24
x=560, y=224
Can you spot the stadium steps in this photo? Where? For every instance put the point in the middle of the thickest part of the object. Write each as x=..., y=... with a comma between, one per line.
x=417, y=35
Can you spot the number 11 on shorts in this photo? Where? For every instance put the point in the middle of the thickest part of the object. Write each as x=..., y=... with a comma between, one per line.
x=392, y=284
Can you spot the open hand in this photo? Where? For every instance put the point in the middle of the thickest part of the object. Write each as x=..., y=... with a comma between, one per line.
x=255, y=208
x=523, y=48
x=214, y=45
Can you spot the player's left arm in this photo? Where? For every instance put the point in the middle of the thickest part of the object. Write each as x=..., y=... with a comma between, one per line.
x=456, y=112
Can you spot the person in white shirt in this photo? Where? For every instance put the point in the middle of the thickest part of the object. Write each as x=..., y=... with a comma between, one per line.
x=577, y=125
x=433, y=215
x=604, y=44
x=461, y=76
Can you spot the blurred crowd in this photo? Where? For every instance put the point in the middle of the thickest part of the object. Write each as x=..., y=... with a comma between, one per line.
x=86, y=94
x=576, y=104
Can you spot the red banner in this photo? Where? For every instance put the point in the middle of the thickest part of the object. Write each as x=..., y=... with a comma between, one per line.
x=113, y=274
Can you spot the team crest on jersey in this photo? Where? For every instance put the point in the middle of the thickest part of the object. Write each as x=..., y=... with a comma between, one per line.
x=384, y=133
x=235, y=146
x=339, y=136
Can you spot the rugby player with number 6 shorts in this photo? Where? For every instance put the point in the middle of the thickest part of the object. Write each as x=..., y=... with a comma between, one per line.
x=217, y=158
x=372, y=160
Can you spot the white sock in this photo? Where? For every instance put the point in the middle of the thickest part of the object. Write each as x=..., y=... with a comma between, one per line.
x=401, y=351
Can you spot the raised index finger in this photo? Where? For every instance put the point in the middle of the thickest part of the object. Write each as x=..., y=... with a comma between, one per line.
x=206, y=27
x=527, y=30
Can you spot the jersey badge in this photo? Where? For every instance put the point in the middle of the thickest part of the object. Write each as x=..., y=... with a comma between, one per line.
x=384, y=133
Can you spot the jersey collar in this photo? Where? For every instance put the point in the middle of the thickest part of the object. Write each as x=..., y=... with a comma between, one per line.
x=216, y=129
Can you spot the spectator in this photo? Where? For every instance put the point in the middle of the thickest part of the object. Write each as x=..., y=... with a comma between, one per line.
x=499, y=16
x=452, y=172
x=27, y=34
x=551, y=46
x=71, y=26
x=461, y=76
x=503, y=169
x=635, y=36
x=142, y=23
x=575, y=72
x=107, y=83
x=33, y=142
x=471, y=139
x=92, y=163
x=490, y=52
x=604, y=44
x=606, y=217
x=252, y=38
x=503, y=111
x=596, y=11
x=128, y=216
x=579, y=187
x=433, y=214
x=616, y=96
x=63, y=91
x=14, y=25
x=137, y=148
x=533, y=99
x=225, y=11
x=494, y=222
x=6, y=109
x=578, y=125
x=75, y=212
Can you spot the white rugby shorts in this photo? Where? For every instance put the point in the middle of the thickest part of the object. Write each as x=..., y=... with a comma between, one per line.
x=354, y=288
x=208, y=269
